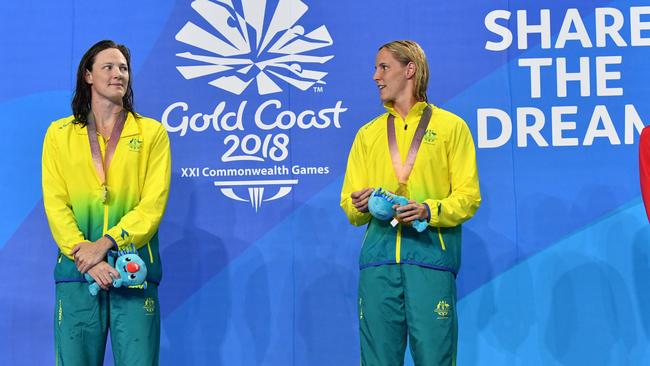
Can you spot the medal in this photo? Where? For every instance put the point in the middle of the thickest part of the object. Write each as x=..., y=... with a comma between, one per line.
x=402, y=190
x=403, y=170
x=104, y=193
x=101, y=164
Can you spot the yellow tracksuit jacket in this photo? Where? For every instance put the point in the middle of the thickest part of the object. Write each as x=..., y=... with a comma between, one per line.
x=138, y=183
x=444, y=176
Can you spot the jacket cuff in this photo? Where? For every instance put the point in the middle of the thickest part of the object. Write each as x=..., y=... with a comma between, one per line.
x=428, y=211
x=115, y=246
x=435, y=210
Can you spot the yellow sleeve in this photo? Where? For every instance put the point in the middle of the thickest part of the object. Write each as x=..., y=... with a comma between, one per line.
x=356, y=178
x=465, y=196
x=56, y=200
x=141, y=223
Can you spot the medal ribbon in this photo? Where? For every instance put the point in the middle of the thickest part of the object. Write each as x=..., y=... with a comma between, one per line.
x=101, y=165
x=403, y=171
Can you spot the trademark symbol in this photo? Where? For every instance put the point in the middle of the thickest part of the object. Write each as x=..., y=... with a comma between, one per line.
x=318, y=89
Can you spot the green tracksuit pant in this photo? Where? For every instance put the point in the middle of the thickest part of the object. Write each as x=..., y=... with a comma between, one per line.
x=82, y=322
x=397, y=301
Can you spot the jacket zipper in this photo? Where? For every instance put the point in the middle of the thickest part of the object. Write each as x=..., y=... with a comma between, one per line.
x=442, y=242
x=105, y=228
x=398, y=243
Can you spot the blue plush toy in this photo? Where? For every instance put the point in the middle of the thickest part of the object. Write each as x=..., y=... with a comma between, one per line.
x=381, y=205
x=133, y=271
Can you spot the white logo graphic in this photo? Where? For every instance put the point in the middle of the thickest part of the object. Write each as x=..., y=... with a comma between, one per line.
x=256, y=190
x=247, y=48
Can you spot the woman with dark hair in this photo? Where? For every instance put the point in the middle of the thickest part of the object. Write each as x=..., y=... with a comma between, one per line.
x=106, y=174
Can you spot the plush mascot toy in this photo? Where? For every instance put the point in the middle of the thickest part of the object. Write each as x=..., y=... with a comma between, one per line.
x=133, y=271
x=381, y=205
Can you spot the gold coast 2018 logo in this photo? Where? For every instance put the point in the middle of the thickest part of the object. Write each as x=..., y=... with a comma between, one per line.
x=242, y=43
x=246, y=49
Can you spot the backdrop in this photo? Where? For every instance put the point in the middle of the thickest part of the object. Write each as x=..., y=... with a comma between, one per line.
x=262, y=99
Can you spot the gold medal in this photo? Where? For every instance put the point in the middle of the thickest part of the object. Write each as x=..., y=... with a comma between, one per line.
x=102, y=164
x=402, y=190
x=403, y=169
x=104, y=193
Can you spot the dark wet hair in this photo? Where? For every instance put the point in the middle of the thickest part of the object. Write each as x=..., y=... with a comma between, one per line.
x=82, y=94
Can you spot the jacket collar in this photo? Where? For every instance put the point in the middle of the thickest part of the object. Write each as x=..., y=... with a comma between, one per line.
x=416, y=110
x=130, y=127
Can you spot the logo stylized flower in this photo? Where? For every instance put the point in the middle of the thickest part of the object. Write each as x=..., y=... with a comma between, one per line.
x=246, y=48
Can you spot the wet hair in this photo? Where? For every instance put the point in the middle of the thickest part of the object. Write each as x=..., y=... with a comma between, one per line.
x=82, y=95
x=409, y=51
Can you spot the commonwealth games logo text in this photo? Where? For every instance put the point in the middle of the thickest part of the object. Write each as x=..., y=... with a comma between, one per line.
x=236, y=43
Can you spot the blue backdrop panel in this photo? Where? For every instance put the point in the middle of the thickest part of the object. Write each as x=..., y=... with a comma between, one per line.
x=262, y=99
